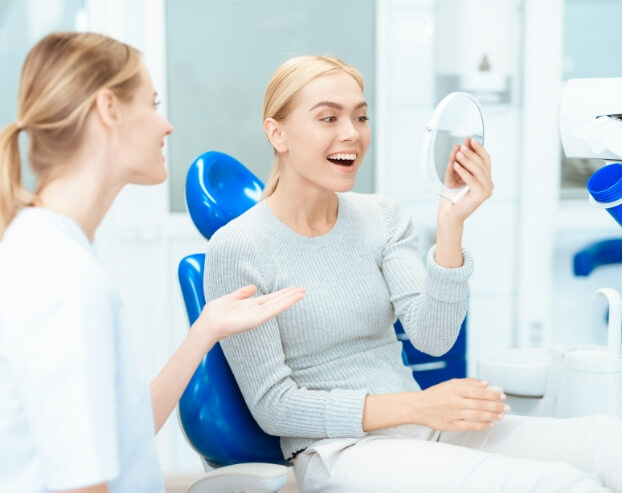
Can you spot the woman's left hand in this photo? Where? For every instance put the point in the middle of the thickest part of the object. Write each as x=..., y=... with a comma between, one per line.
x=239, y=311
x=468, y=164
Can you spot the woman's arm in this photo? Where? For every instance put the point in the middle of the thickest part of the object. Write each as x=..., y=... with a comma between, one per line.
x=468, y=164
x=458, y=404
x=220, y=318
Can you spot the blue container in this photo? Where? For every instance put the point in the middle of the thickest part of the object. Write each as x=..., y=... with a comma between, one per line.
x=605, y=188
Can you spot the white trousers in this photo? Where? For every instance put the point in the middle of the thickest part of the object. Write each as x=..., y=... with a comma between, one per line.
x=518, y=454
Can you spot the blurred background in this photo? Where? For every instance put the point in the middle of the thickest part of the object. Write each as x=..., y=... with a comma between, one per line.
x=210, y=61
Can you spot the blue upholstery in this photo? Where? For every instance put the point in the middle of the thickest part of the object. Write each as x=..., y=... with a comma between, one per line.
x=212, y=410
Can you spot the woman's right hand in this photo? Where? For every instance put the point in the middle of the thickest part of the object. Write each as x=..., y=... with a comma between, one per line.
x=239, y=311
x=459, y=405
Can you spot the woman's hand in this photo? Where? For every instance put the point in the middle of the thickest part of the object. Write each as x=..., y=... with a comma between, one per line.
x=459, y=404
x=238, y=311
x=469, y=164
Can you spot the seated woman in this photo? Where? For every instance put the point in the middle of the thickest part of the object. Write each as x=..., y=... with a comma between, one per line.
x=327, y=375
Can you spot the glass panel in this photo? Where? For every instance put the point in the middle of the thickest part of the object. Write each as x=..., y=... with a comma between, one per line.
x=220, y=55
x=22, y=24
x=591, y=49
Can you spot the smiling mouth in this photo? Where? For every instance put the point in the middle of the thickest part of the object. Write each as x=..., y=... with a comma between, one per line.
x=342, y=159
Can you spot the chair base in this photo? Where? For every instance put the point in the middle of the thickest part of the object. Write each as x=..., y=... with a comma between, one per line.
x=239, y=477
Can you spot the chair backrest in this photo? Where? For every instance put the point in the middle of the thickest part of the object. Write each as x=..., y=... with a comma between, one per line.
x=212, y=410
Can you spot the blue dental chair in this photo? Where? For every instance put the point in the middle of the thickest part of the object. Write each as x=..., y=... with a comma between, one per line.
x=212, y=411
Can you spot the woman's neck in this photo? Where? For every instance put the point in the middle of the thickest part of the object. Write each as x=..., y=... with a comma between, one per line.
x=81, y=195
x=309, y=212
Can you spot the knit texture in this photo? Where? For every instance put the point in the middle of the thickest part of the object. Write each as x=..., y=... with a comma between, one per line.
x=305, y=374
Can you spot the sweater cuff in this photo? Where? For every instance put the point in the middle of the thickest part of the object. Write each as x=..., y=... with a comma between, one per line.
x=344, y=413
x=445, y=284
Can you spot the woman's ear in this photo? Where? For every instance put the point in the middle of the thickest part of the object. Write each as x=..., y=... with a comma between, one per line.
x=276, y=134
x=107, y=107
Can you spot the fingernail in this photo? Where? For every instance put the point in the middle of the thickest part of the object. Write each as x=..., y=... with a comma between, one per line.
x=503, y=396
x=507, y=408
x=500, y=416
x=460, y=154
x=463, y=147
x=484, y=382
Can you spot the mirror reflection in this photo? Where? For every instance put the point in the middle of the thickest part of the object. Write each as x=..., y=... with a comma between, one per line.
x=456, y=119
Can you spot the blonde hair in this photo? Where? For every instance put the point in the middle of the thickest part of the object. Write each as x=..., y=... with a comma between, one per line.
x=284, y=85
x=60, y=79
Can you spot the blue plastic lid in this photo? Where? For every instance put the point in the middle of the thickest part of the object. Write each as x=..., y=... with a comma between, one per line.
x=605, y=185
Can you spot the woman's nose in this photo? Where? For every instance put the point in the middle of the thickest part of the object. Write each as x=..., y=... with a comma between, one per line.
x=348, y=132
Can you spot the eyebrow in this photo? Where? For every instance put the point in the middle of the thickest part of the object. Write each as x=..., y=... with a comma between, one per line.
x=336, y=105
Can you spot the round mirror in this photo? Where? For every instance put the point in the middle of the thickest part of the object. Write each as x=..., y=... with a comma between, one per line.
x=457, y=117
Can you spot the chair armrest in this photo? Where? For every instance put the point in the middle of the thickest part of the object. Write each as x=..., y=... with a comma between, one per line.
x=251, y=475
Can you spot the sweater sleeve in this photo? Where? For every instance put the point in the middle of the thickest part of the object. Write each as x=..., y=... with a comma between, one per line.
x=432, y=304
x=258, y=361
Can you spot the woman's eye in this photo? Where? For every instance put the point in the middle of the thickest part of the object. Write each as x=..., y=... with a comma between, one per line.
x=156, y=103
x=362, y=118
x=329, y=119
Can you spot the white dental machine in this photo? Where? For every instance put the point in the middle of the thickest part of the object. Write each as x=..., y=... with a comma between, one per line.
x=575, y=380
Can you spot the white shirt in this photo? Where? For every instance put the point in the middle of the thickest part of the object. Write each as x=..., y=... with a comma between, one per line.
x=73, y=412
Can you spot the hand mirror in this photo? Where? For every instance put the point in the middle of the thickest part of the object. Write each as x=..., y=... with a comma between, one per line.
x=455, y=118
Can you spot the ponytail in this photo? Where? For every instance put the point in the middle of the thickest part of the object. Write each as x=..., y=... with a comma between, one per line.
x=59, y=82
x=273, y=179
x=13, y=195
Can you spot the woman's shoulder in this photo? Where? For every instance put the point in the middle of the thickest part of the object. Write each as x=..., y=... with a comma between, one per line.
x=244, y=237
x=43, y=250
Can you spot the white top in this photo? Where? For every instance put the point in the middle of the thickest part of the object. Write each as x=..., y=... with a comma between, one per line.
x=73, y=412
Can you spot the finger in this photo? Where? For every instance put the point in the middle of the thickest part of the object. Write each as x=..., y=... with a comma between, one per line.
x=276, y=295
x=472, y=162
x=480, y=150
x=279, y=305
x=481, y=188
x=461, y=425
x=281, y=296
x=451, y=179
x=487, y=395
x=244, y=292
x=473, y=381
x=481, y=405
x=466, y=176
x=481, y=416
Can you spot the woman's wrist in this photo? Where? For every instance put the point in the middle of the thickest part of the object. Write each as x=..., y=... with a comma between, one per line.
x=448, y=251
x=388, y=410
x=202, y=335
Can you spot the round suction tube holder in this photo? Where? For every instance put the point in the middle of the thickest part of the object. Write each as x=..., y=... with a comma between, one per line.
x=605, y=189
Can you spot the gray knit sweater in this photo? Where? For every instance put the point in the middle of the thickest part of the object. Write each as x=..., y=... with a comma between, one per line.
x=305, y=374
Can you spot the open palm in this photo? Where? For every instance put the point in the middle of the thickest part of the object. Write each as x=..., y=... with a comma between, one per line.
x=239, y=311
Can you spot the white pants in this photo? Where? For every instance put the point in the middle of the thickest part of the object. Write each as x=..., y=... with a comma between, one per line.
x=518, y=454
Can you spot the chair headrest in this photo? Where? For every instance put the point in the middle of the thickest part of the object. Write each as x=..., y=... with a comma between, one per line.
x=219, y=188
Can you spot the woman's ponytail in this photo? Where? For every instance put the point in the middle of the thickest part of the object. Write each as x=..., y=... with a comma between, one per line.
x=13, y=195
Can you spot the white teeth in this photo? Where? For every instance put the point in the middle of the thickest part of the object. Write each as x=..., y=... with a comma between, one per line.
x=343, y=156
